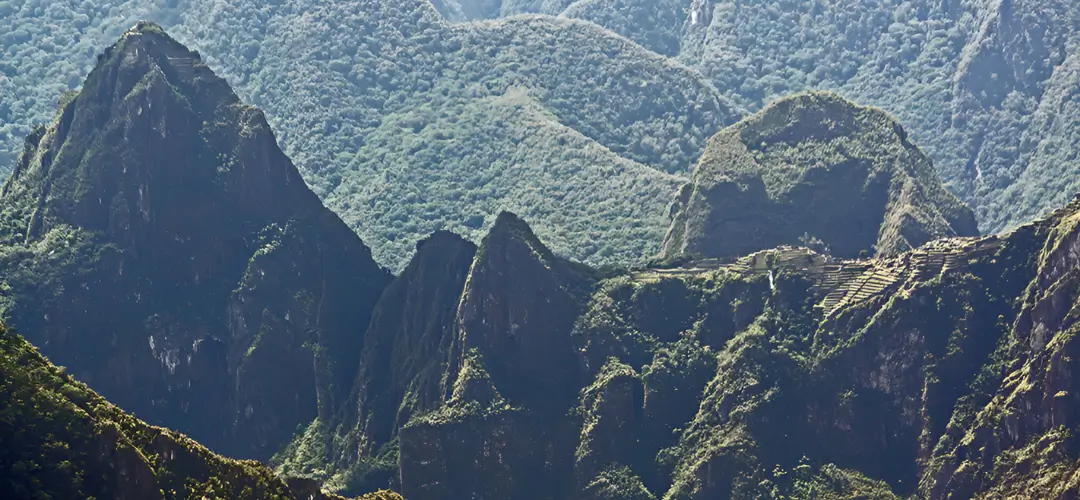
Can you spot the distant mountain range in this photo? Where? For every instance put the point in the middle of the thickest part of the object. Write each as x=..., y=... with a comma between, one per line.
x=455, y=111
x=824, y=322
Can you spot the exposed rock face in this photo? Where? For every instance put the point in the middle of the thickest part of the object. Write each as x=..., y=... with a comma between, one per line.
x=231, y=303
x=401, y=371
x=813, y=168
x=940, y=372
x=517, y=312
x=512, y=375
x=406, y=344
x=469, y=370
x=612, y=427
x=1015, y=438
x=488, y=454
x=167, y=252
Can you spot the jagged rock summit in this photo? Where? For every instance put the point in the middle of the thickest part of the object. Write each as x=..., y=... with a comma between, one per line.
x=467, y=345
x=163, y=249
x=813, y=169
x=517, y=312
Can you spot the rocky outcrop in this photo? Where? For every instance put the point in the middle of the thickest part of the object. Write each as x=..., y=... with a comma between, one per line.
x=502, y=431
x=517, y=311
x=813, y=169
x=408, y=338
x=467, y=375
x=947, y=380
x=401, y=368
x=477, y=445
x=1014, y=438
x=939, y=369
x=491, y=454
x=166, y=251
x=612, y=427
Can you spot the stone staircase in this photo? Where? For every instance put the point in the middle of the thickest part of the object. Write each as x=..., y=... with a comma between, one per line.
x=851, y=282
x=184, y=66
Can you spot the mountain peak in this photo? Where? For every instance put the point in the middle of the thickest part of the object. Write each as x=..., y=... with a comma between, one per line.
x=154, y=126
x=509, y=223
x=146, y=27
x=818, y=115
x=814, y=169
x=525, y=334
x=147, y=46
x=199, y=253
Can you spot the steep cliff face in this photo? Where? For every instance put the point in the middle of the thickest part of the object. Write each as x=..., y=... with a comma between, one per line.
x=502, y=431
x=1016, y=437
x=402, y=365
x=813, y=169
x=943, y=371
x=62, y=440
x=517, y=312
x=162, y=247
x=410, y=333
x=158, y=243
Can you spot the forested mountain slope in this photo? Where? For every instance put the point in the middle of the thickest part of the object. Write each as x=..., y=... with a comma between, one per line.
x=984, y=86
x=158, y=244
x=388, y=100
x=582, y=131
x=62, y=440
x=941, y=372
x=817, y=170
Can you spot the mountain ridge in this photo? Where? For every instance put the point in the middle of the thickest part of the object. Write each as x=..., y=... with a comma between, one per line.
x=160, y=244
x=158, y=194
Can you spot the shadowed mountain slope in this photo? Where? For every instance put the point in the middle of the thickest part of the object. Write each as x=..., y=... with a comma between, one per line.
x=62, y=440
x=160, y=245
x=813, y=169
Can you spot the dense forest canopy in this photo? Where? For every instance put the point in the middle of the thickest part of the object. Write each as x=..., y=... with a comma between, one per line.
x=390, y=100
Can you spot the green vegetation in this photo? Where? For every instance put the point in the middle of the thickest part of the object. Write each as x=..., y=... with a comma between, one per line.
x=617, y=484
x=814, y=169
x=980, y=85
x=655, y=24
x=62, y=440
x=47, y=48
x=158, y=244
x=406, y=124
x=413, y=124
x=732, y=381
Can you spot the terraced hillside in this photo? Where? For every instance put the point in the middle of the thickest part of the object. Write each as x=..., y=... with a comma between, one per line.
x=781, y=374
x=840, y=283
